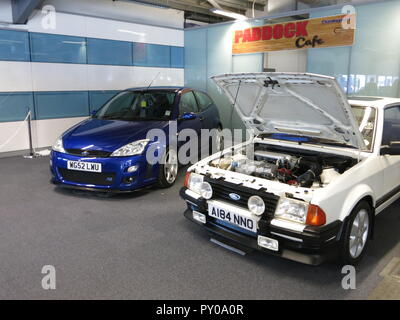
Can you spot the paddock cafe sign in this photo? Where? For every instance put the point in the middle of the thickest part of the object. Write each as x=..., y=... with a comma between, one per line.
x=303, y=34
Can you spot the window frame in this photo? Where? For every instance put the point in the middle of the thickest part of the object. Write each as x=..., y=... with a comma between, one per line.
x=376, y=124
x=180, y=99
x=383, y=120
x=198, y=103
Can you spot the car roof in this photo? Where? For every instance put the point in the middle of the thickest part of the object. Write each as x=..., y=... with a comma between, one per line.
x=169, y=88
x=377, y=102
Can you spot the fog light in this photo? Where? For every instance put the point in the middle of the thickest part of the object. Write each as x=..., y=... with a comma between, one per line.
x=128, y=180
x=268, y=243
x=199, y=217
x=256, y=205
x=132, y=169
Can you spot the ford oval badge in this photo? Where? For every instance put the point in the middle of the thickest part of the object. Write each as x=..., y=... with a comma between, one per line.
x=234, y=196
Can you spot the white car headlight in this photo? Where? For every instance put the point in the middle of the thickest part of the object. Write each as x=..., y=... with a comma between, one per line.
x=58, y=145
x=291, y=209
x=256, y=205
x=195, y=181
x=131, y=149
x=206, y=190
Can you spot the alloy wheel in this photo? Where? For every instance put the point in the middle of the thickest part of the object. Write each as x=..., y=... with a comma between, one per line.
x=359, y=233
x=170, y=166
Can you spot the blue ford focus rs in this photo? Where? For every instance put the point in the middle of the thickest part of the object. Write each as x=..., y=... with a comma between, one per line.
x=107, y=152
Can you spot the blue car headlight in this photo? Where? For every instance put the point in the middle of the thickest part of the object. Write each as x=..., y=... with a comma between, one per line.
x=131, y=149
x=58, y=145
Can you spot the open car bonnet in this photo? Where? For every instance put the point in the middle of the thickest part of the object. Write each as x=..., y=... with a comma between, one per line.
x=294, y=103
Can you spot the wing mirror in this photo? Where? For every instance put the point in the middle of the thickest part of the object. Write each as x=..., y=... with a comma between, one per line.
x=188, y=116
x=392, y=149
x=93, y=112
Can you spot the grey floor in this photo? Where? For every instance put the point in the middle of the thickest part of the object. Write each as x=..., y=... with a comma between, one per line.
x=140, y=246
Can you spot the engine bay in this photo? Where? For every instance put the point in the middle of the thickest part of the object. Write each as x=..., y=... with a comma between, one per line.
x=290, y=166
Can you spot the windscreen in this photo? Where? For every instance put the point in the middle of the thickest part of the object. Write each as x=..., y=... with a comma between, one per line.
x=138, y=105
x=366, y=119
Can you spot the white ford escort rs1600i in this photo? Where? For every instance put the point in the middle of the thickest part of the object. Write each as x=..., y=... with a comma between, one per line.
x=311, y=179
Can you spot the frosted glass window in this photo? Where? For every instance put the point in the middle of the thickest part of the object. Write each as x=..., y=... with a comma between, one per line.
x=64, y=104
x=14, y=106
x=14, y=45
x=57, y=48
x=151, y=55
x=109, y=52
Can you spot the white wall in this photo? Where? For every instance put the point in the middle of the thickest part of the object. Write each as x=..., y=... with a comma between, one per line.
x=5, y=11
x=121, y=10
x=27, y=76
x=287, y=61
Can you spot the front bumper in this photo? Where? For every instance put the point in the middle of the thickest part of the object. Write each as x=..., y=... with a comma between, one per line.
x=113, y=178
x=313, y=245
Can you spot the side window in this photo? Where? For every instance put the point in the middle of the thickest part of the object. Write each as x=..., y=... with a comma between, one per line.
x=203, y=100
x=188, y=104
x=391, y=125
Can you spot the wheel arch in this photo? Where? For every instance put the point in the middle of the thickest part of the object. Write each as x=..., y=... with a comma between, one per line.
x=355, y=196
x=360, y=193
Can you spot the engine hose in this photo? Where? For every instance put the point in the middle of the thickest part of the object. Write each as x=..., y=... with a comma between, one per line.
x=314, y=170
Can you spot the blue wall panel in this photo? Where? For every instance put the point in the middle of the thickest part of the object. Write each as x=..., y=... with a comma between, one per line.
x=196, y=58
x=151, y=55
x=57, y=48
x=14, y=45
x=14, y=106
x=158, y=56
x=109, y=52
x=177, y=57
x=51, y=105
x=371, y=66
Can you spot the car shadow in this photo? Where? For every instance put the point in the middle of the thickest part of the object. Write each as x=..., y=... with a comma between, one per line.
x=386, y=237
x=110, y=196
x=102, y=196
x=328, y=274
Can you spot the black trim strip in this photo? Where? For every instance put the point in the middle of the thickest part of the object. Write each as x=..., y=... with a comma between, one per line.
x=387, y=196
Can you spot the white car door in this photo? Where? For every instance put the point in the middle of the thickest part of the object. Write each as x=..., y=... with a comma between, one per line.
x=391, y=163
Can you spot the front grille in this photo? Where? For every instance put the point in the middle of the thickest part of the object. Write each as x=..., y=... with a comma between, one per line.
x=88, y=153
x=222, y=189
x=96, y=178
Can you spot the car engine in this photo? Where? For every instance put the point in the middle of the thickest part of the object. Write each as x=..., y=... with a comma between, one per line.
x=293, y=167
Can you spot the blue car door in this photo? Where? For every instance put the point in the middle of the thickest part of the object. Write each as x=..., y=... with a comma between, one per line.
x=208, y=112
x=188, y=116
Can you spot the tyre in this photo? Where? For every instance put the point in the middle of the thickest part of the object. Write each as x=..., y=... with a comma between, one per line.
x=356, y=234
x=168, y=170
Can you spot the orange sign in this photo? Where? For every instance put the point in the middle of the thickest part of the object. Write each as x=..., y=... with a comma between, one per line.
x=302, y=34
